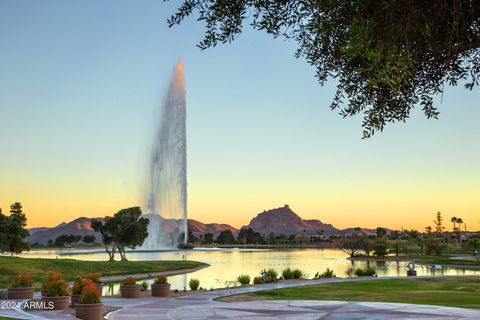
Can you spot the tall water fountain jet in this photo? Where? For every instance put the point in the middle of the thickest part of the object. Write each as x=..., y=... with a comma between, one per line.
x=166, y=187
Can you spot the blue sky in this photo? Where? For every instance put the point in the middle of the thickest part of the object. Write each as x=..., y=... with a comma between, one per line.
x=81, y=82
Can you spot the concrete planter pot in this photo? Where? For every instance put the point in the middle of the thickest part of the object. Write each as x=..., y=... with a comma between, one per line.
x=161, y=290
x=99, y=288
x=74, y=299
x=130, y=290
x=59, y=302
x=19, y=293
x=89, y=311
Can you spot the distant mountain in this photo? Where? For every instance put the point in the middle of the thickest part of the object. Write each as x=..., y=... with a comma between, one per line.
x=358, y=229
x=80, y=226
x=284, y=221
x=279, y=221
x=35, y=230
x=198, y=227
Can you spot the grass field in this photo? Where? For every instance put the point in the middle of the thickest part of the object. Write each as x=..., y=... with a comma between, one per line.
x=10, y=266
x=454, y=292
x=447, y=260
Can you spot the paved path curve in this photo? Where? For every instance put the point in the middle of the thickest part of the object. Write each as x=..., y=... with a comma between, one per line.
x=201, y=306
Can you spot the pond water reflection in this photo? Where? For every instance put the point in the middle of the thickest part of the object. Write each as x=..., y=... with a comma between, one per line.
x=227, y=264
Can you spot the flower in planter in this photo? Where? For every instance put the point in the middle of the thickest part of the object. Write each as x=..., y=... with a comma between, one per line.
x=23, y=280
x=89, y=306
x=161, y=280
x=51, y=276
x=130, y=281
x=57, y=288
x=21, y=287
x=94, y=276
x=79, y=284
x=89, y=293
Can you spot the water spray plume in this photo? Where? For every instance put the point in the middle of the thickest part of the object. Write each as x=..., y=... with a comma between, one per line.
x=166, y=180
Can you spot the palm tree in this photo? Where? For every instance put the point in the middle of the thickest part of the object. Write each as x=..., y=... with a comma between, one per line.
x=454, y=220
x=459, y=221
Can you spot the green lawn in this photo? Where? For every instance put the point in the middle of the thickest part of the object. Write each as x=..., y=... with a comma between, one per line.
x=10, y=266
x=454, y=292
x=446, y=260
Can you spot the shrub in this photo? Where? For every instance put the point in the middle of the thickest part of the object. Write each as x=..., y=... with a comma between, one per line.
x=258, y=280
x=350, y=272
x=269, y=275
x=51, y=276
x=287, y=274
x=90, y=294
x=130, y=281
x=57, y=287
x=161, y=280
x=194, y=284
x=94, y=276
x=243, y=279
x=22, y=280
x=327, y=274
x=368, y=272
x=297, y=274
x=144, y=286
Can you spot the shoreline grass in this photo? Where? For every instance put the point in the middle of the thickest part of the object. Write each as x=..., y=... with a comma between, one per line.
x=452, y=292
x=446, y=260
x=38, y=267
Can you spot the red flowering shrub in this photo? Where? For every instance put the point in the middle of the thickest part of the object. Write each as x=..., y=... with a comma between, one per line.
x=94, y=276
x=51, y=276
x=130, y=281
x=23, y=280
x=90, y=293
x=161, y=280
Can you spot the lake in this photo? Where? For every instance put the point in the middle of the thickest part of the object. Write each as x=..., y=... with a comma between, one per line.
x=227, y=264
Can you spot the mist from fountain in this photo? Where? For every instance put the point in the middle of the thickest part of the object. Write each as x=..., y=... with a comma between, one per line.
x=166, y=180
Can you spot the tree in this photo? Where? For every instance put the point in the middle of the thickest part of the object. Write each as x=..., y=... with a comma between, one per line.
x=226, y=237
x=352, y=245
x=438, y=223
x=381, y=232
x=89, y=238
x=386, y=56
x=126, y=229
x=249, y=236
x=13, y=231
x=434, y=246
x=367, y=246
x=380, y=249
x=191, y=237
x=208, y=237
x=459, y=221
x=454, y=220
x=474, y=244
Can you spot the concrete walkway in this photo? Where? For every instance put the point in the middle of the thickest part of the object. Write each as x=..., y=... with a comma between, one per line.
x=201, y=306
